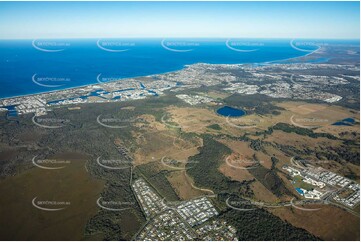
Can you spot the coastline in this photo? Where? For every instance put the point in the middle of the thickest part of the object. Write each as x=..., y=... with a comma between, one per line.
x=162, y=73
x=308, y=54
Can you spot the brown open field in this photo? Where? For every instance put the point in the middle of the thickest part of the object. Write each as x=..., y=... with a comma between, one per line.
x=234, y=173
x=21, y=220
x=299, y=141
x=261, y=193
x=154, y=145
x=283, y=159
x=328, y=113
x=182, y=186
x=329, y=223
x=240, y=147
x=194, y=119
x=157, y=140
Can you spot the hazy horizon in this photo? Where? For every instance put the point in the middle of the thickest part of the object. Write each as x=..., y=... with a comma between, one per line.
x=307, y=20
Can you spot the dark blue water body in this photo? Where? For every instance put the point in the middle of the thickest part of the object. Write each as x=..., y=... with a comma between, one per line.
x=230, y=112
x=153, y=92
x=11, y=111
x=299, y=191
x=345, y=122
x=27, y=70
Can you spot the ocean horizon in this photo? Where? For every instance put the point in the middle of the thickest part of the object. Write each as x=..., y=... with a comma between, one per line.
x=44, y=65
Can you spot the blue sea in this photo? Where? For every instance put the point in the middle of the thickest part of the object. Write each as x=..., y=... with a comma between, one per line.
x=35, y=66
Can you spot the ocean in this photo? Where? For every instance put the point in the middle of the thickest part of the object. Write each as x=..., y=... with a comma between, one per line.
x=35, y=66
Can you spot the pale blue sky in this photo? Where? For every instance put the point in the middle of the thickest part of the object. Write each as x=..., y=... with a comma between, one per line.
x=29, y=20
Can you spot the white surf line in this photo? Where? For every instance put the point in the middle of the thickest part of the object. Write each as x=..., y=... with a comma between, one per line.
x=288, y=59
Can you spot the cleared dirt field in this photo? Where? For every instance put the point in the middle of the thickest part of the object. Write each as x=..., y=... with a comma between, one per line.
x=194, y=119
x=234, y=173
x=182, y=186
x=154, y=146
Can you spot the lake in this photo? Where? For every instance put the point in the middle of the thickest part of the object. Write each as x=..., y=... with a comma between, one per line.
x=230, y=112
